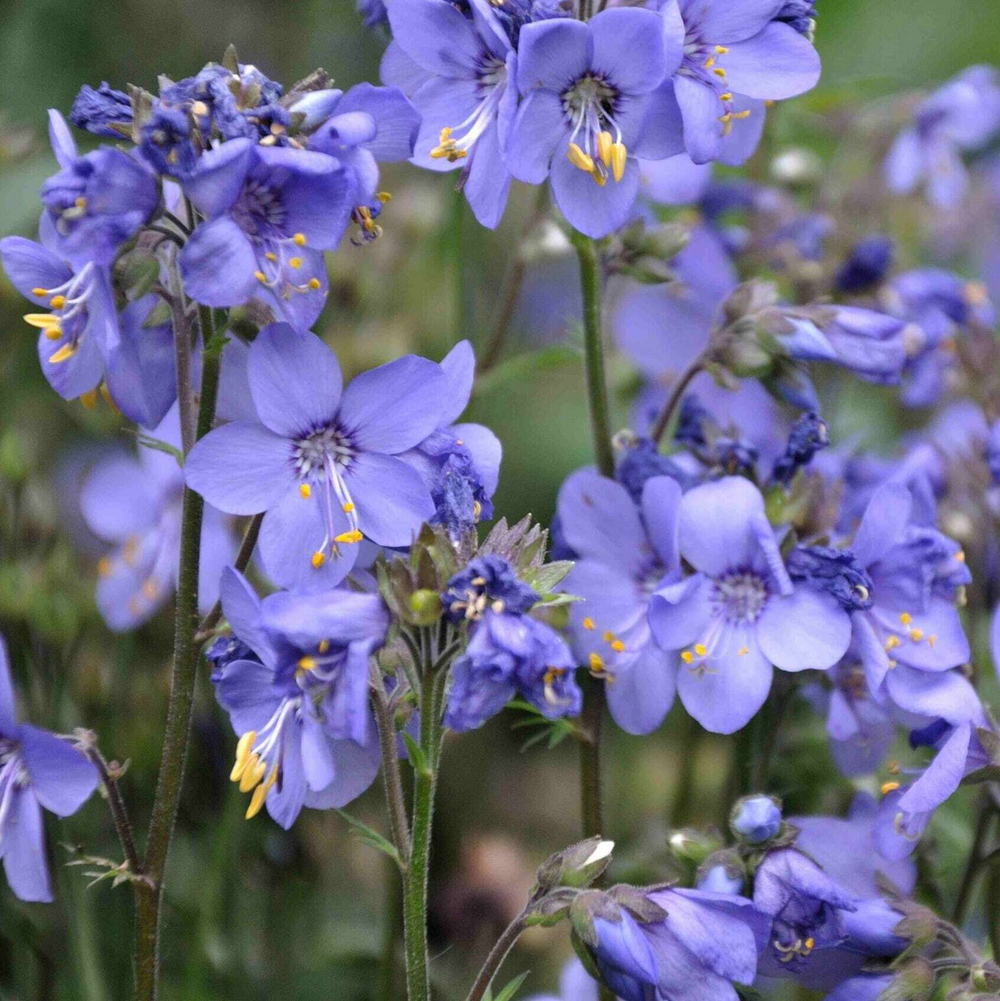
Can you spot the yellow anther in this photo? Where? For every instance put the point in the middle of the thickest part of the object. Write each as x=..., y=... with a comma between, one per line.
x=700, y=649
x=305, y=491
x=727, y=117
x=243, y=748
x=307, y=663
x=349, y=537
x=810, y=943
x=906, y=618
x=295, y=262
x=617, y=646
x=728, y=96
x=709, y=62
x=960, y=556
x=271, y=257
x=741, y=114
x=81, y=202
x=608, y=636
x=254, y=773
x=596, y=663
x=719, y=72
x=916, y=635
x=104, y=567
x=106, y=396
x=600, y=177
x=588, y=623
x=931, y=639
x=348, y=507
x=314, y=283
x=892, y=642
x=261, y=277
x=150, y=589
x=89, y=399
x=721, y=50
x=317, y=559
x=743, y=651
x=323, y=646
x=66, y=351
x=272, y=777
x=256, y=802
x=39, y=291
x=687, y=656
x=299, y=239
x=618, y=157
x=53, y=333
x=888, y=787
x=383, y=196
x=444, y=135
x=199, y=108
x=58, y=301
x=893, y=663
x=579, y=159
x=477, y=510
x=41, y=320
x=604, y=145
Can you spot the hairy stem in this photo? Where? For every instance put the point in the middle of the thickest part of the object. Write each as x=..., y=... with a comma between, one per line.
x=390, y=766
x=182, y=686
x=496, y=957
x=183, y=345
x=119, y=812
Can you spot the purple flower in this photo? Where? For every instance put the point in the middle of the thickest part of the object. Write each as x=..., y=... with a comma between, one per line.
x=735, y=59
x=37, y=769
x=104, y=112
x=756, y=819
x=270, y=211
x=739, y=613
x=321, y=462
x=96, y=201
x=623, y=554
x=963, y=114
x=488, y=582
x=590, y=108
x=867, y=264
x=462, y=69
x=459, y=462
x=135, y=505
x=300, y=705
x=809, y=434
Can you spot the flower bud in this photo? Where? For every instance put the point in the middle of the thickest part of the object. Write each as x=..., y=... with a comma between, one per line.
x=722, y=872
x=695, y=846
x=576, y=866
x=756, y=819
x=914, y=981
x=425, y=606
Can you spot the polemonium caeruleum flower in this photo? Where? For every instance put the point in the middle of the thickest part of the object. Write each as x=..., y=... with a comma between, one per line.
x=37, y=769
x=134, y=504
x=361, y=128
x=590, y=108
x=701, y=944
x=322, y=462
x=867, y=264
x=623, y=554
x=459, y=462
x=962, y=115
x=736, y=57
x=96, y=201
x=270, y=212
x=297, y=695
x=104, y=112
x=508, y=651
x=459, y=70
x=740, y=612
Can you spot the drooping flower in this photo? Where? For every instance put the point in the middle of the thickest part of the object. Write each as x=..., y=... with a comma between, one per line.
x=623, y=555
x=462, y=67
x=37, y=769
x=270, y=212
x=324, y=464
x=735, y=59
x=739, y=613
x=104, y=112
x=591, y=107
x=459, y=462
x=134, y=504
x=300, y=703
x=962, y=115
x=96, y=201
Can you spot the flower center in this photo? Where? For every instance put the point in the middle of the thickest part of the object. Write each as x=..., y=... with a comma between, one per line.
x=740, y=597
x=67, y=322
x=281, y=262
x=590, y=107
x=259, y=210
x=455, y=141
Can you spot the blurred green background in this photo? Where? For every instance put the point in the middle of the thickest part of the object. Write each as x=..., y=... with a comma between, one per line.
x=251, y=911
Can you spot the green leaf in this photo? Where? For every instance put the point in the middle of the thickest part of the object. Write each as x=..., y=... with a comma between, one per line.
x=748, y=993
x=231, y=60
x=546, y=577
x=512, y=988
x=416, y=754
x=157, y=445
x=371, y=837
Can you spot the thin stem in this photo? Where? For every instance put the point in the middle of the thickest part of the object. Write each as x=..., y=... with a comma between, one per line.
x=496, y=957
x=676, y=392
x=247, y=547
x=390, y=766
x=182, y=686
x=972, y=866
x=458, y=262
x=690, y=734
x=591, y=723
x=119, y=812
x=183, y=345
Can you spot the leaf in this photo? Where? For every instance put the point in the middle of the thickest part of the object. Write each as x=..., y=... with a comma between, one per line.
x=231, y=60
x=512, y=988
x=545, y=578
x=371, y=837
x=416, y=755
x=555, y=600
x=748, y=993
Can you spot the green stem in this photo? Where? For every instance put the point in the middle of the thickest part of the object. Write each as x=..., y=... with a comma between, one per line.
x=972, y=867
x=390, y=765
x=496, y=957
x=676, y=392
x=181, y=702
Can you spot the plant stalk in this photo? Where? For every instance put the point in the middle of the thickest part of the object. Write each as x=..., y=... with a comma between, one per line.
x=496, y=957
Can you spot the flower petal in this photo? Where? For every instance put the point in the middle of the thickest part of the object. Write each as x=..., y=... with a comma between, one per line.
x=397, y=120
x=391, y=498
x=589, y=208
x=117, y=501
x=434, y=34
x=724, y=23
x=641, y=694
x=246, y=691
x=219, y=177
x=553, y=54
x=774, y=64
x=681, y=614
x=241, y=608
x=218, y=264
x=29, y=265
x=538, y=127
x=488, y=182
x=486, y=452
x=661, y=500
x=805, y=629
x=61, y=776
x=22, y=844
x=629, y=49
x=883, y=523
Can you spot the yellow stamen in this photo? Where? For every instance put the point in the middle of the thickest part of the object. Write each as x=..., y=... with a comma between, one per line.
x=687, y=656
x=104, y=567
x=608, y=636
x=596, y=663
x=810, y=943
x=960, y=556
x=916, y=635
x=53, y=333
x=253, y=774
x=299, y=239
x=618, y=156
x=295, y=262
x=579, y=159
x=261, y=277
x=383, y=196
x=892, y=642
x=323, y=646
x=893, y=663
x=588, y=623
x=352, y=536
x=348, y=507
x=243, y=748
x=41, y=320
x=931, y=640
x=709, y=62
x=721, y=50
x=318, y=559
x=256, y=802
x=906, y=618
x=888, y=787
x=741, y=114
x=728, y=96
x=743, y=651
x=307, y=664
x=89, y=399
x=58, y=301
x=270, y=256
x=150, y=588
x=106, y=396
x=604, y=145
x=39, y=291
x=700, y=649
x=305, y=491
x=719, y=72
x=81, y=202
x=314, y=283
x=66, y=351
x=617, y=646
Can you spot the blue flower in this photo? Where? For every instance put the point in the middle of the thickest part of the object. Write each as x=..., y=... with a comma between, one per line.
x=808, y=436
x=624, y=554
x=466, y=66
x=739, y=613
x=487, y=583
x=104, y=112
x=321, y=461
x=165, y=142
x=37, y=769
x=300, y=704
x=963, y=114
x=756, y=819
x=96, y=201
x=734, y=61
x=589, y=109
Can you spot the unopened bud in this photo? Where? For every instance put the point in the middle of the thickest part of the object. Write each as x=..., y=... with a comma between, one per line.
x=695, y=846
x=722, y=872
x=756, y=819
x=576, y=866
x=425, y=606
